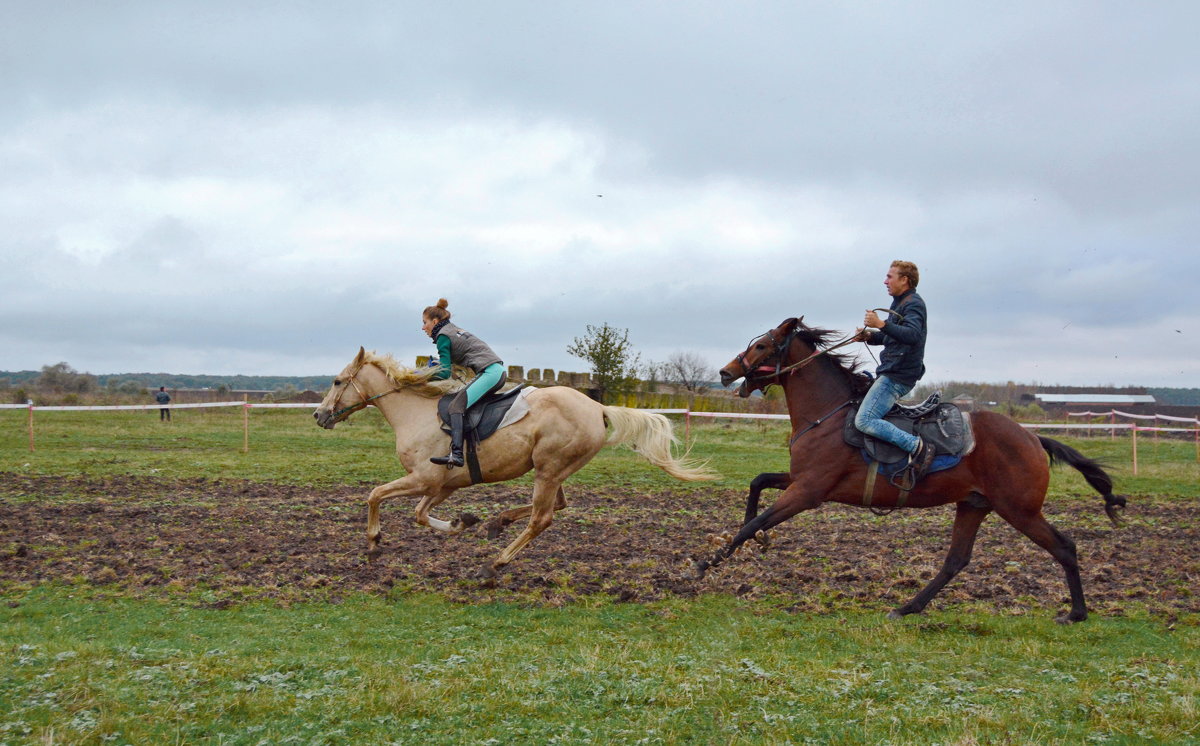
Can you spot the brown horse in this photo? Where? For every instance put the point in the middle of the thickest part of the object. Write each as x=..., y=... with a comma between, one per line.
x=562, y=431
x=1007, y=472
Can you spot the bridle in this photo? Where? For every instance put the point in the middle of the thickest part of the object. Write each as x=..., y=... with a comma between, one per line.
x=780, y=349
x=352, y=380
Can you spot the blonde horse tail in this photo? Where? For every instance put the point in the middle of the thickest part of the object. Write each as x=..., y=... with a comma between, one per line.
x=651, y=435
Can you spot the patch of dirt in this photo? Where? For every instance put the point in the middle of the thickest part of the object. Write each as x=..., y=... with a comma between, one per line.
x=223, y=539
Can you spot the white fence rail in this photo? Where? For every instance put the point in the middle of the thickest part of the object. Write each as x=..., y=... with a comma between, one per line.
x=1111, y=427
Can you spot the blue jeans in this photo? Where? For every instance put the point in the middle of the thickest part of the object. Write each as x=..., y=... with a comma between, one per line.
x=883, y=394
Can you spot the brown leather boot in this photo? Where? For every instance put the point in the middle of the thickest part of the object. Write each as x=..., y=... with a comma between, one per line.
x=921, y=460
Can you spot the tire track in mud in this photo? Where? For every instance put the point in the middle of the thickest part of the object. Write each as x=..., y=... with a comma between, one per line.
x=236, y=540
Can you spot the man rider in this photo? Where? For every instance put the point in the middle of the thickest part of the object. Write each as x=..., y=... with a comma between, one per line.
x=901, y=364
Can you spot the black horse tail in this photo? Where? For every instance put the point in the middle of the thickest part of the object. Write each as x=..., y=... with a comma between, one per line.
x=1091, y=471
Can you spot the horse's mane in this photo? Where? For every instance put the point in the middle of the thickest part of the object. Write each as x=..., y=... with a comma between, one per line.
x=413, y=379
x=847, y=365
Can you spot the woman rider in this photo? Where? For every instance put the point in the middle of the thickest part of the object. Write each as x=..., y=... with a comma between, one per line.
x=459, y=347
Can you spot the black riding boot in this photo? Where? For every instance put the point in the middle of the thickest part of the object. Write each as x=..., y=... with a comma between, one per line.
x=455, y=457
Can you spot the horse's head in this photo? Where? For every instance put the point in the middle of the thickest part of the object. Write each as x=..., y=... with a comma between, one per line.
x=758, y=365
x=346, y=396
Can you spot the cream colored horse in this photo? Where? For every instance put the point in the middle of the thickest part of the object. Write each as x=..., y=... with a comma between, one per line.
x=563, y=430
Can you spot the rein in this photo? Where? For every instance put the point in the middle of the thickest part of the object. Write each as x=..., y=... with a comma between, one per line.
x=819, y=420
x=801, y=363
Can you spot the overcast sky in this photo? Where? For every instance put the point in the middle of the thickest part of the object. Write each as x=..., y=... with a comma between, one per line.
x=260, y=188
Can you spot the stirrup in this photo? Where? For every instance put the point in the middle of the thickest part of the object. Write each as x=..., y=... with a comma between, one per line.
x=920, y=461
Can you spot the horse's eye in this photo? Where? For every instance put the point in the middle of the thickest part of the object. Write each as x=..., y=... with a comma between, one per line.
x=337, y=382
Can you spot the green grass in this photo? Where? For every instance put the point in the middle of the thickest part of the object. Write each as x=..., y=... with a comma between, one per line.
x=84, y=669
x=285, y=446
x=99, y=666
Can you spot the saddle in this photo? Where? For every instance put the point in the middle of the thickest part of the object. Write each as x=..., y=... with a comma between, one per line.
x=483, y=420
x=942, y=425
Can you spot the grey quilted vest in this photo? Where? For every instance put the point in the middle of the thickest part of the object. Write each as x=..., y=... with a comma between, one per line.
x=468, y=350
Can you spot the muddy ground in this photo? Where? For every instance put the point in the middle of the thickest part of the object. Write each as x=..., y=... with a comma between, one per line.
x=220, y=541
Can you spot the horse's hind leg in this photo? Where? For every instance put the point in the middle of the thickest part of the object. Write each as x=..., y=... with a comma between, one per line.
x=502, y=521
x=1046, y=536
x=546, y=495
x=962, y=541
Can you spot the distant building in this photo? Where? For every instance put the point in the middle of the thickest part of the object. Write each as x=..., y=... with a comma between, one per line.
x=963, y=401
x=1101, y=399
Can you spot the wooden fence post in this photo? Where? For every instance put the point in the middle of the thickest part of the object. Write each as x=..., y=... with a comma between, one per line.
x=1135, y=429
x=245, y=423
x=31, y=425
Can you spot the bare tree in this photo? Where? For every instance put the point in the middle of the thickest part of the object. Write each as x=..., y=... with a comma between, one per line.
x=652, y=375
x=62, y=378
x=689, y=370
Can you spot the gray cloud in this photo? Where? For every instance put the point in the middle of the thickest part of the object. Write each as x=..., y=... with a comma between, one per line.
x=214, y=188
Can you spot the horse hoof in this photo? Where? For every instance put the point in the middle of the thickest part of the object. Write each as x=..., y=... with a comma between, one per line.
x=494, y=529
x=488, y=576
x=466, y=520
x=699, y=569
x=374, y=554
x=895, y=614
x=1071, y=618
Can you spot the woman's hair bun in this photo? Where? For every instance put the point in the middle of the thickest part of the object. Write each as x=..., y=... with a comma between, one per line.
x=443, y=303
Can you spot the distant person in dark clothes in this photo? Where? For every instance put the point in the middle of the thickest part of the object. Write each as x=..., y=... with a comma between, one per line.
x=162, y=397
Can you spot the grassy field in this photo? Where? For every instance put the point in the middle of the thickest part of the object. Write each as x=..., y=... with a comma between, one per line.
x=286, y=446
x=98, y=665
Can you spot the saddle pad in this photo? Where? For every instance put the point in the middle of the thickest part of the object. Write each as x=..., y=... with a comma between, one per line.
x=941, y=462
x=947, y=429
x=519, y=409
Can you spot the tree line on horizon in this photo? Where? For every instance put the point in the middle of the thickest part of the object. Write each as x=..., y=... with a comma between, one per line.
x=616, y=368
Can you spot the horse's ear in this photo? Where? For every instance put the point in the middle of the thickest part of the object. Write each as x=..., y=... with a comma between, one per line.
x=790, y=324
x=362, y=355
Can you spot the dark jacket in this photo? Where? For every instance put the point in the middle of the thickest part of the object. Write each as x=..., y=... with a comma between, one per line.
x=903, y=340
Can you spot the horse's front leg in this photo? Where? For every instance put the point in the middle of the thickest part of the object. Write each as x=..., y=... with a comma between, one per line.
x=777, y=480
x=795, y=498
x=447, y=527
x=408, y=485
